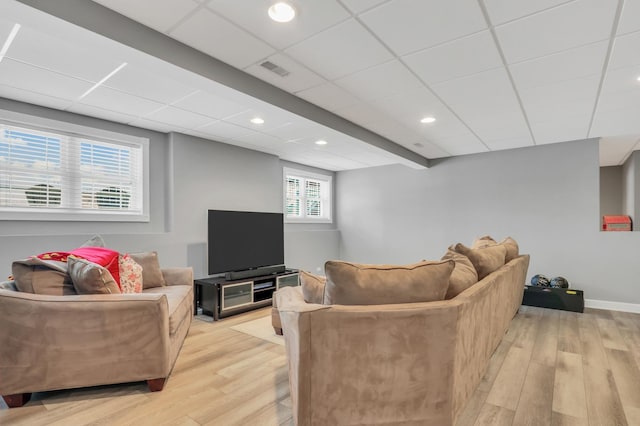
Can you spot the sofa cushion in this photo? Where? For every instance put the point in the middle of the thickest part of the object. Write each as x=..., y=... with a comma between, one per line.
x=485, y=259
x=40, y=276
x=151, y=272
x=361, y=284
x=485, y=241
x=312, y=287
x=95, y=241
x=101, y=256
x=180, y=303
x=464, y=274
x=91, y=278
x=509, y=243
x=513, y=250
x=130, y=275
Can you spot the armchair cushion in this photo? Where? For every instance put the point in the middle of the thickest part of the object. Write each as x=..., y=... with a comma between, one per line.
x=361, y=284
x=91, y=278
x=151, y=273
x=38, y=276
x=312, y=287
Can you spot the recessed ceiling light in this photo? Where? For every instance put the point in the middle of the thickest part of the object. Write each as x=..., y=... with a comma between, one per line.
x=321, y=142
x=428, y=120
x=638, y=78
x=257, y=120
x=282, y=12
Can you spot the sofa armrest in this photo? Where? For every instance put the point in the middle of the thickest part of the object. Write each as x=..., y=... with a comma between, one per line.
x=60, y=342
x=178, y=276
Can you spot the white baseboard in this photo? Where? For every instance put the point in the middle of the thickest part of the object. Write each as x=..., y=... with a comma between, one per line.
x=612, y=306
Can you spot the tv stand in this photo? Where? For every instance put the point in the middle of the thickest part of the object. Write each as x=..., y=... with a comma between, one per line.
x=220, y=297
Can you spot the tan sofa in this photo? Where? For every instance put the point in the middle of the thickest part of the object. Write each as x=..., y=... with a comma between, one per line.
x=63, y=342
x=401, y=364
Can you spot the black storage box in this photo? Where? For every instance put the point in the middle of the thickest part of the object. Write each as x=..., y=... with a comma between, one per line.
x=566, y=299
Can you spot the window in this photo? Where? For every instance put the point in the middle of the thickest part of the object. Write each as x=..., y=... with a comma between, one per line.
x=49, y=173
x=307, y=197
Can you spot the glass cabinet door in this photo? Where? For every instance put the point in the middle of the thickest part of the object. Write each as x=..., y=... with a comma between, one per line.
x=235, y=295
x=290, y=280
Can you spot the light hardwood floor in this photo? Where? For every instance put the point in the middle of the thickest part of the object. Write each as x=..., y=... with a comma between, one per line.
x=552, y=368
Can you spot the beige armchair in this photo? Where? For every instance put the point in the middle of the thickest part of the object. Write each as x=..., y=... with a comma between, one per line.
x=62, y=342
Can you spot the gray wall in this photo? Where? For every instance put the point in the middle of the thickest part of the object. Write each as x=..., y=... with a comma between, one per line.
x=546, y=197
x=188, y=176
x=611, y=190
x=631, y=187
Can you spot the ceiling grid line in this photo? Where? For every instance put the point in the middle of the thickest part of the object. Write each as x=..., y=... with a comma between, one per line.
x=605, y=64
x=492, y=31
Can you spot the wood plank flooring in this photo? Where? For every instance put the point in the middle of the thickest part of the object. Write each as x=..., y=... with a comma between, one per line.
x=552, y=368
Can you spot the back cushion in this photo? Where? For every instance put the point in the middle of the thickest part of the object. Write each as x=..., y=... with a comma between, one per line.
x=513, y=250
x=361, y=284
x=41, y=279
x=464, y=274
x=91, y=278
x=151, y=272
x=486, y=259
x=312, y=287
x=509, y=243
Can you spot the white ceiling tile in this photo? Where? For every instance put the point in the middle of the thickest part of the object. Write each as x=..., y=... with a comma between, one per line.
x=33, y=97
x=615, y=150
x=211, y=34
x=381, y=81
x=620, y=89
x=224, y=130
x=465, y=56
x=486, y=91
x=411, y=107
x=341, y=50
x=509, y=142
x=567, y=26
x=102, y=113
x=157, y=14
x=155, y=125
x=328, y=96
x=501, y=11
x=299, y=77
x=298, y=130
x=408, y=25
x=311, y=18
x=566, y=128
x=273, y=118
x=210, y=105
x=138, y=82
x=113, y=100
x=629, y=19
x=550, y=102
x=461, y=144
x=179, y=117
x=584, y=61
x=42, y=50
x=625, y=52
x=27, y=77
x=359, y=6
x=623, y=121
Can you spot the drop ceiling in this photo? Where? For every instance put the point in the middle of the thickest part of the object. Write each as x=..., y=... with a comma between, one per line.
x=495, y=74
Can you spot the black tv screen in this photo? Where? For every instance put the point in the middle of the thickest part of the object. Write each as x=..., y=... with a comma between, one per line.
x=244, y=240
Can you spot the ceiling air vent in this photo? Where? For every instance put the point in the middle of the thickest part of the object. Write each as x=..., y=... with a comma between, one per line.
x=275, y=68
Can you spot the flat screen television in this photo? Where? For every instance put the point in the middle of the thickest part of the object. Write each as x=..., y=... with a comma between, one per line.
x=240, y=241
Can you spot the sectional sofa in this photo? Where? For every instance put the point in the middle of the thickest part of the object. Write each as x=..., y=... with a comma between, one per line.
x=411, y=363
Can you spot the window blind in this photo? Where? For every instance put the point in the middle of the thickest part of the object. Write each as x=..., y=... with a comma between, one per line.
x=58, y=172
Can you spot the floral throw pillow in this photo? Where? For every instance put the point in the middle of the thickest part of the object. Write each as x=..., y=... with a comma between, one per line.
x=130, y=275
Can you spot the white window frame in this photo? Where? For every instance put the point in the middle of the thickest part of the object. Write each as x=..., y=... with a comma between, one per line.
x=90, y=133
x=326, y=201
